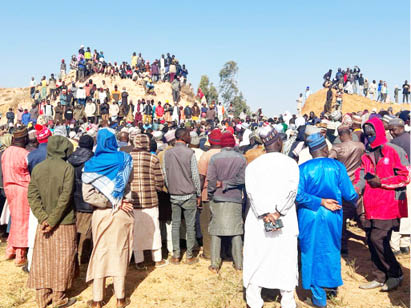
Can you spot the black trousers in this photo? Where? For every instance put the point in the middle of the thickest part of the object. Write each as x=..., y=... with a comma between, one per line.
x=349, y=212
x=385, y=265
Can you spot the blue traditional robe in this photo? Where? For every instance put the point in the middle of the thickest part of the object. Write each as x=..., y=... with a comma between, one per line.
x=320, y=228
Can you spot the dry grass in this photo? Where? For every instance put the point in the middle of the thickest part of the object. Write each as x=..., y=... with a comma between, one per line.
x=186, y=286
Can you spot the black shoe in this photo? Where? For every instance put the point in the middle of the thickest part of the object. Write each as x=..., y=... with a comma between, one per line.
x=331, y=292
x=391, y=284
x=405, y=250
x=396, y=252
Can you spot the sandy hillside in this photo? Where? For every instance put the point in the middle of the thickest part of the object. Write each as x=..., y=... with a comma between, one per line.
x=351, y=103
x=14, y=97
x=184, y=286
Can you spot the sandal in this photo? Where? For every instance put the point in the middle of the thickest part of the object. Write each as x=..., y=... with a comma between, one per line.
x=213, y=269
x=93, y=304
x=70, y=301
x=126, y=302
x=161, y=264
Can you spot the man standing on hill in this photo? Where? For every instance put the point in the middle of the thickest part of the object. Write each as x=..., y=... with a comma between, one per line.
x=32, y=87
x=116, y=95
x=175, y=87
x=307, y=93
x=183, y=183
x=300, y=104
x=148, y=112
x=10, y=116
x=329, y=100
x=405, y=92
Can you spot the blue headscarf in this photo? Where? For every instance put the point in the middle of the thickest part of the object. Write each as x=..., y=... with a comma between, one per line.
x=108, y=170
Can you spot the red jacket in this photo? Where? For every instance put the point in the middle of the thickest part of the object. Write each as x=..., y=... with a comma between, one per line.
x=159, y=111
x=380, y=202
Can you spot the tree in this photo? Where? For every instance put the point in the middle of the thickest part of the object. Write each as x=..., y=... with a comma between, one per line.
x=209, y=90
x=229, y=92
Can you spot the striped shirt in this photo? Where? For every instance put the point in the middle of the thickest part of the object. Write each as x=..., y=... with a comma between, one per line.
x=147, y=179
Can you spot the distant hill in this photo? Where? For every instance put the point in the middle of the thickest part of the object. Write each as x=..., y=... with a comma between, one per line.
x=351, y=103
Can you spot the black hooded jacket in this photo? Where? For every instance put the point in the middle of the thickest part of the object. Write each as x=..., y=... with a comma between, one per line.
x=77, y=160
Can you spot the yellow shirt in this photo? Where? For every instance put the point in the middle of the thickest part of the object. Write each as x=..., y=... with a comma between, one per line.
x=133, y=61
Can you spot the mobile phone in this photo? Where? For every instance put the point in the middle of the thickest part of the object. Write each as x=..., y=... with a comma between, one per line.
x=269, y=226
x=369, y=176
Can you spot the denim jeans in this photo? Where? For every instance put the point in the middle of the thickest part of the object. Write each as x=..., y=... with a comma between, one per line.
x=189, y=210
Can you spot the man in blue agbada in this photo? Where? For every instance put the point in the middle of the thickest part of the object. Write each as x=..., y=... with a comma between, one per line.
x=323, y=184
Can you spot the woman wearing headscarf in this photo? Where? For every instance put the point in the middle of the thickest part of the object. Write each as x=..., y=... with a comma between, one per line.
x=16, y=179
x=5, y=142
x=105, y=178
x=50, y=197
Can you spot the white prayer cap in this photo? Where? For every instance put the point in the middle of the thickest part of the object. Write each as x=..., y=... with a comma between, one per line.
x=310, y=130
x=300, y=121
x=158, y=135
x=245, y=125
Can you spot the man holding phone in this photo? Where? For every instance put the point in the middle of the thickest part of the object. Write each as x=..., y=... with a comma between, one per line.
x=380, y=175
x=271, y=228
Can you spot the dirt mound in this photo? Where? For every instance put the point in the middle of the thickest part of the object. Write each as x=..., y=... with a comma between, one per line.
x=14, y=97
x=351, y=103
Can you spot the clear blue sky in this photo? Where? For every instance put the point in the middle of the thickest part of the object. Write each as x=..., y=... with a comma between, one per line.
x=280, y=46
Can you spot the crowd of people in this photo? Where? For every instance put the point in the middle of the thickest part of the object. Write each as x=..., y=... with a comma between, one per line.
x=166, y=68
x=352, y=81
x=103, y=182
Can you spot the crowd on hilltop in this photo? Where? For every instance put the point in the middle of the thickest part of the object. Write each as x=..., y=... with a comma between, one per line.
x=166, y=68
x=352, y=81
x=85, y=64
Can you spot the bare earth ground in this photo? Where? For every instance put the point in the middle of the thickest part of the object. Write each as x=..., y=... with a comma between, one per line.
x=193, y=286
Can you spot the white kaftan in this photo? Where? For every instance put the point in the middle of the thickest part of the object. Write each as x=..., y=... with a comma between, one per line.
x=271, y=258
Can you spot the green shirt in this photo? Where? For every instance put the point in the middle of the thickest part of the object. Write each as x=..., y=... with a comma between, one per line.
x=51, y=186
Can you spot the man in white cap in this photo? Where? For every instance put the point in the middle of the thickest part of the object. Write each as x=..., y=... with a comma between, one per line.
x=271, y=256
x=305, y=154
x=195, y=145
